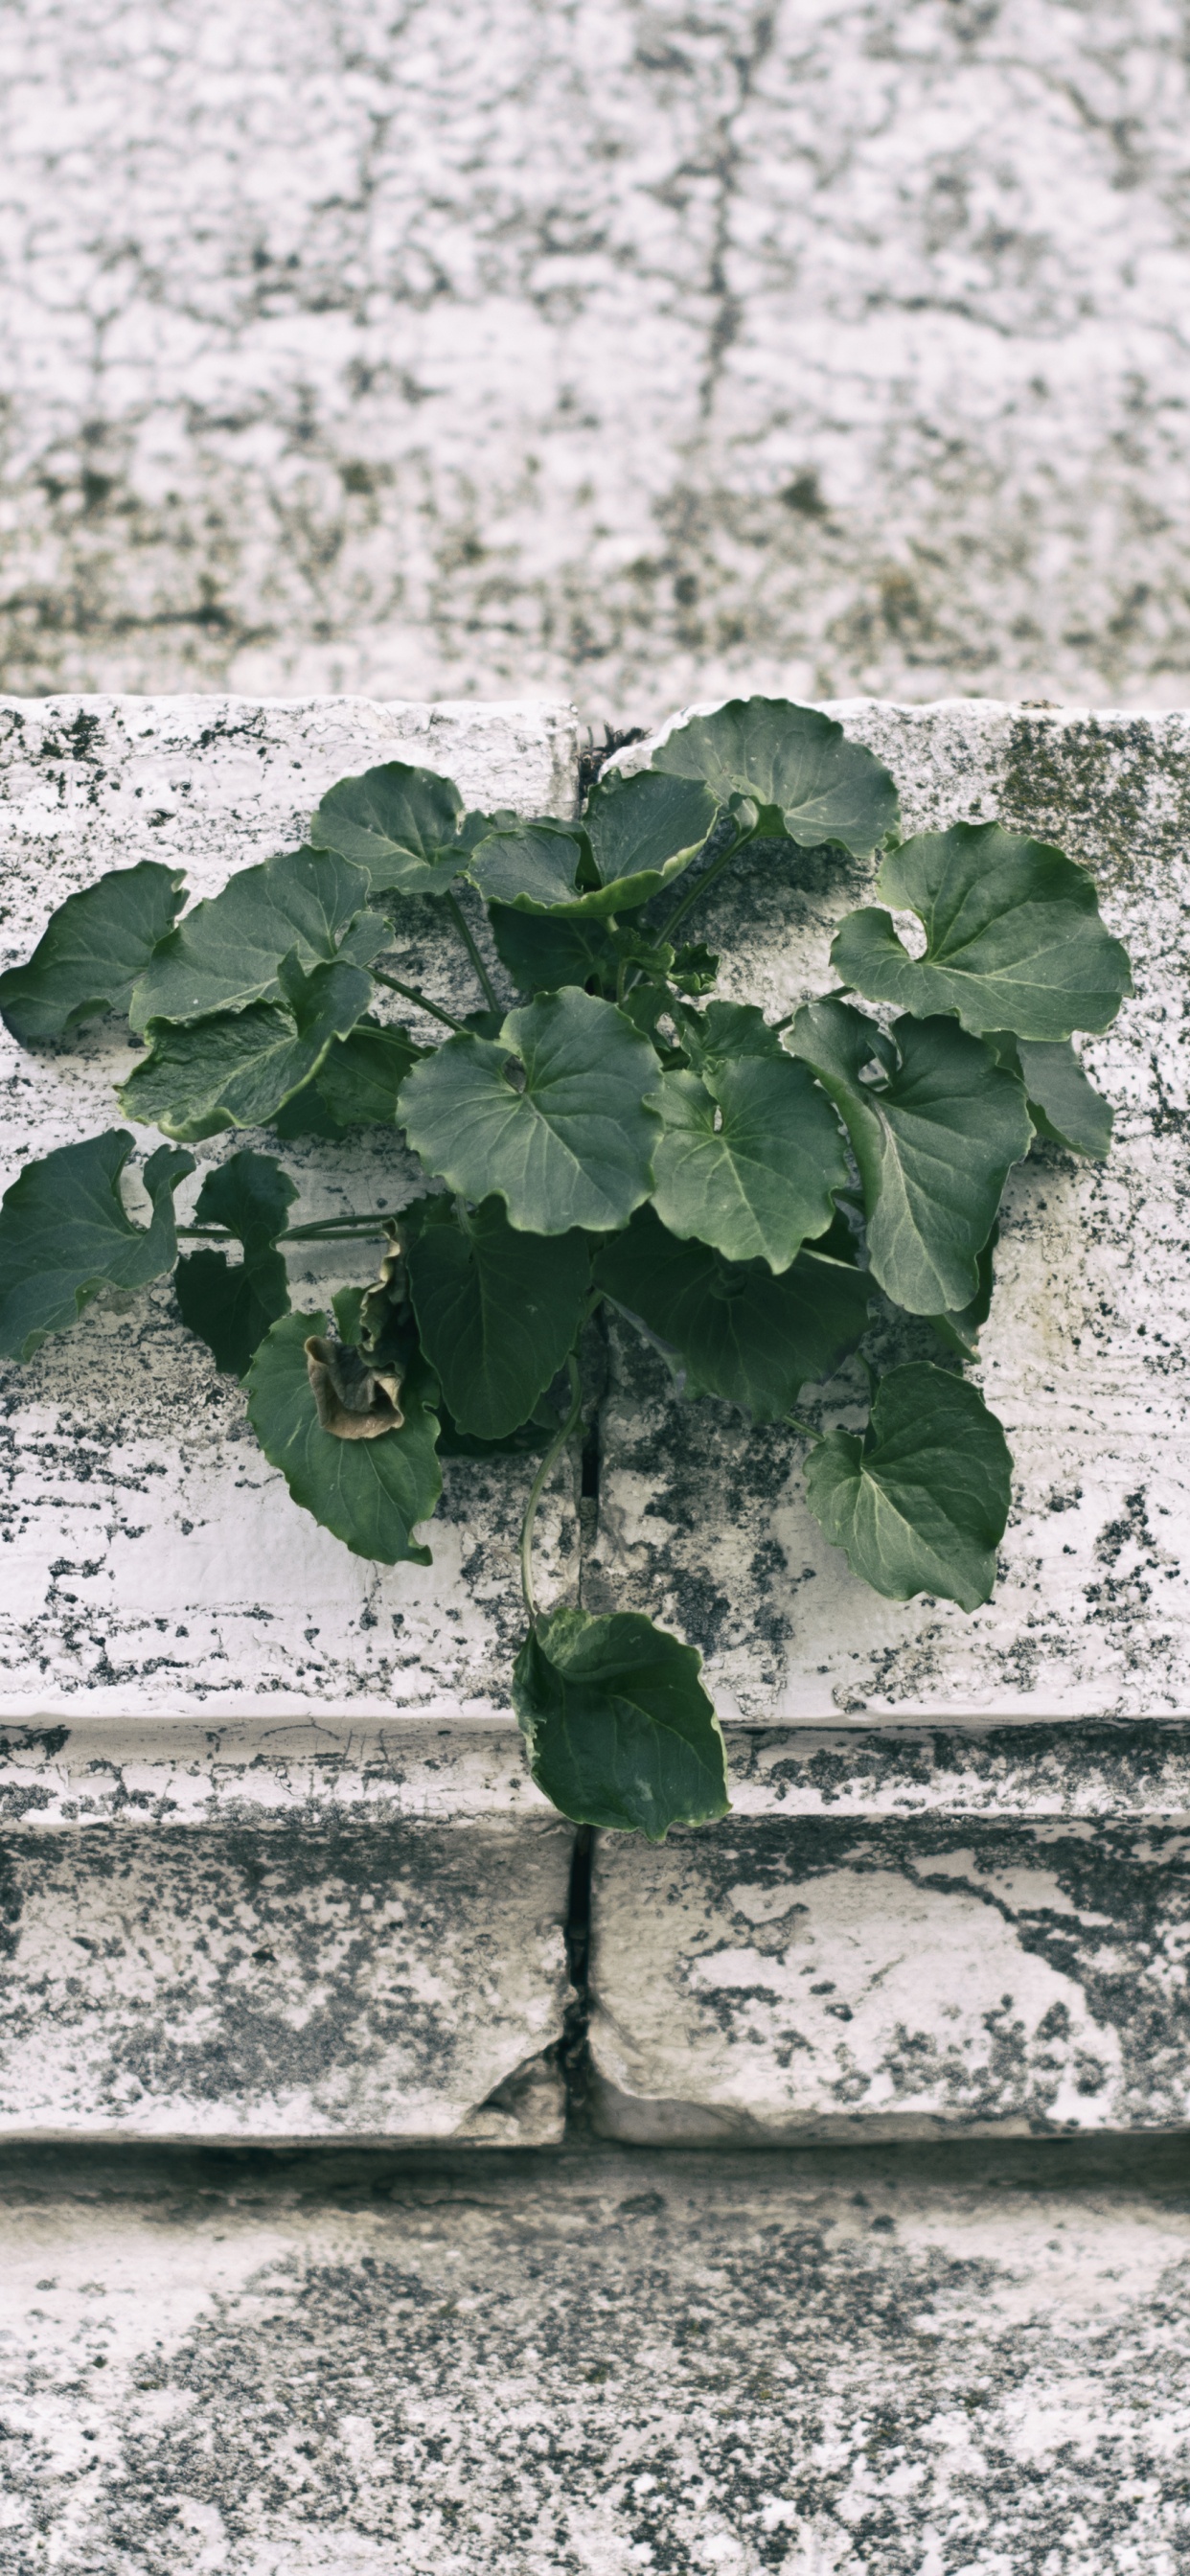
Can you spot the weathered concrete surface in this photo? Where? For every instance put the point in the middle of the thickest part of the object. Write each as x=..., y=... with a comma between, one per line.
x=150, y=1557
x=702, y=1520
x=906, y=1935
x=281, y=1932
x=629, y=349
x=821, y=2366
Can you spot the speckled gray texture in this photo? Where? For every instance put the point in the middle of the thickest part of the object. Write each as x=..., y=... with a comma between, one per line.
x=281, y=1932
x=822, y=1974
x=702, y=1520
x=627, y=347
x=150, y=1557
x=609, y=2366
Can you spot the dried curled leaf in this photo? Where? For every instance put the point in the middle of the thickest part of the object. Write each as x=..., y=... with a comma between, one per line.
x=353, y=1401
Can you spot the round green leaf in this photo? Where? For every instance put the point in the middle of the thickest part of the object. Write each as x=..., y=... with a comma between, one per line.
x=739, y=1333
x=796, y=762
x=636, y=836
x=921, y=1501
x=371, y=1493
x=749, y=1158
x=550, y=1117
x=65, y=1234
x=1063, y=1105
x=91, y=952
x=404, y=825
x=497, y=1311
x=231, y=1309
x=239, y=1069
x=934, y=1136
x=1013, y=937
x=227, y=952
x=621, y=1732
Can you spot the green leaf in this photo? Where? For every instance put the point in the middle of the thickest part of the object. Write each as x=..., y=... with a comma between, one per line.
x=1013, y=936
x=91, y=952
x=231, y=1310
x=372, y=1494
x=725, y=1032
x=531, y=867
x=934, y=1136
x=227, y=952
x=406, y=826
x=239, y=1069
x=620, y=1730
x=748, y=1159
x=497, y=1311
x=361, y=1078
x=1063, y=1105
x=791, y=759
x=635, y=837
x=920, y=1502
x=65, y=1234
x=571, y=1147
x=960, y=1332
x=544, y=951
x=742, y=1334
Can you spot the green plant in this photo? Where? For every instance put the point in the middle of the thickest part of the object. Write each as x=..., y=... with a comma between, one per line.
x=741, y=1191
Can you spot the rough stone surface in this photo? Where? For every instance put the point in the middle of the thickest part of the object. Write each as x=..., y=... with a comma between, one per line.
x=284, y=1932
x=150, y=1556
x=853, y=2365
x=702, y=1520
x=904, y=1935
x=626, y=348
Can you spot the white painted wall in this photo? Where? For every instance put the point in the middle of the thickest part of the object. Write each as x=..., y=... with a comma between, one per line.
x=625, y=349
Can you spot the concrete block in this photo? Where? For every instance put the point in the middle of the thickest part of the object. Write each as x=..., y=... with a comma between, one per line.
x=279, y=1933
x=150, y=1559
x=703, y=1521
x=906, y=1932
x=867, y=2365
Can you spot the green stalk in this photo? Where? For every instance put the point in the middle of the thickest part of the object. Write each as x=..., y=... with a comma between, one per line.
x=553, y=1453
x=701, y=886
x=413, y=993
x=455, y=909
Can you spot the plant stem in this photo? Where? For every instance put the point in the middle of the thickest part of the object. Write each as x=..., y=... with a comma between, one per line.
x=459, y=918
x=412, y=993
x=700, y=887
x=807, y=1429
x=553, y=1453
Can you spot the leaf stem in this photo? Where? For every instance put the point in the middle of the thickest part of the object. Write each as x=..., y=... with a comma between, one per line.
x=459, y=918
x=413, y=993
x=553, y=1453
x=807, y=1429
x=702, y=884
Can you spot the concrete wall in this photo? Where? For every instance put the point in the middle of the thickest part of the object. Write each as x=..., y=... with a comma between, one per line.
x=291, y=1944
x=620, y=349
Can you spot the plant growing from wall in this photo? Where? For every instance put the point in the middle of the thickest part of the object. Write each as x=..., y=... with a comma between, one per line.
x=742, y=1191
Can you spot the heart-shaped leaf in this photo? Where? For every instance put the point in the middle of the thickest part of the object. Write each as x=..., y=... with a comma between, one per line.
x=621, y=1732
x=405, y=825
x=921, y=1500
x=497, y=1311
x=65, y=1233
x=739, y=1332
x=636, y=836
x=934, y=1136
x=372, y=1494
x=239, y=1069
x=362, y=1076
x=543, y=951
x=231, y=1309
x=91, y=952
x=793, y=761
x=1063, y=1105
x=749, y=1158
x=1013, y=936
x=227, y=952
x=550, y=1117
